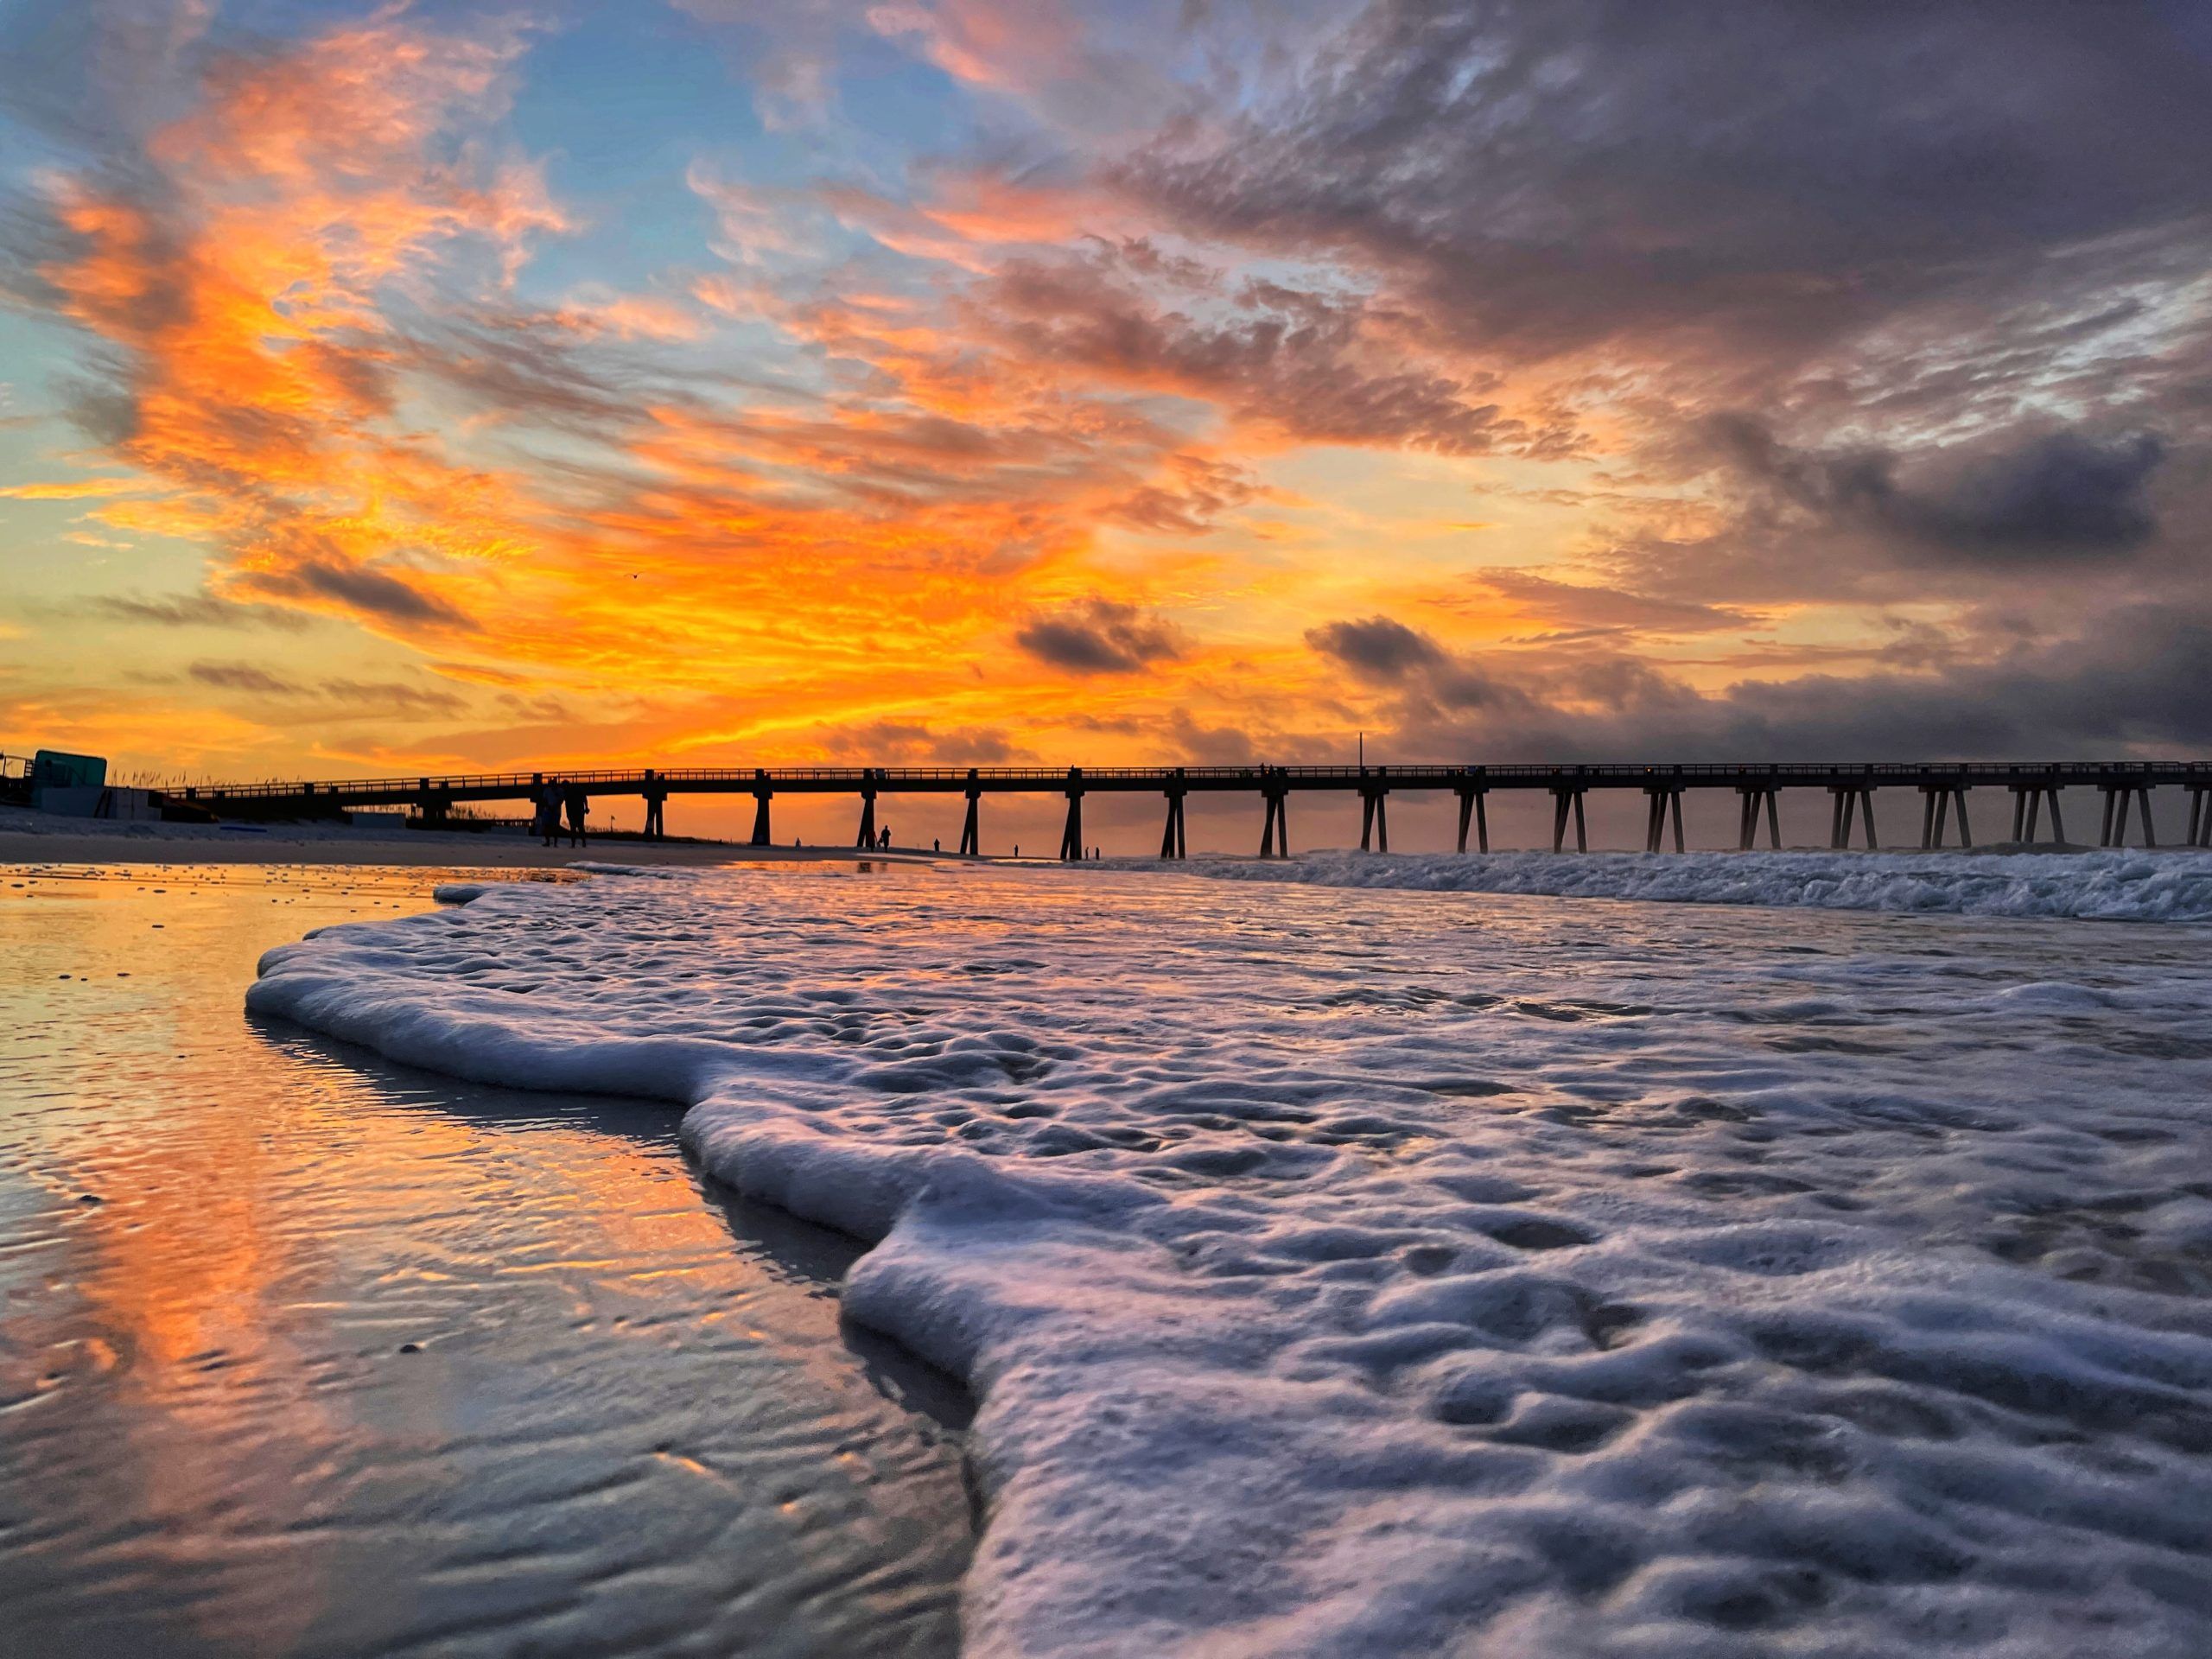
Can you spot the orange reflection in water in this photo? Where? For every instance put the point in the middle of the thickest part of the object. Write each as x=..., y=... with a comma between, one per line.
x=230, y=1448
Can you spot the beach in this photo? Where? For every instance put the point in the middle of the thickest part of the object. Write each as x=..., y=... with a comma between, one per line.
x=29, y=837
x=302, y=1352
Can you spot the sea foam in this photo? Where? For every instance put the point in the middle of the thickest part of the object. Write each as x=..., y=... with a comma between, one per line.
x=1393, y=1273
x=2120, y=886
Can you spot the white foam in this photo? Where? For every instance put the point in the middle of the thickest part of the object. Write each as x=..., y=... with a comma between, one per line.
x=1392, y=1274
x=2117, y=885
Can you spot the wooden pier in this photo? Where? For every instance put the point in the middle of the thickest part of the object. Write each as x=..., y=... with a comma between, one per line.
x=2126, y=788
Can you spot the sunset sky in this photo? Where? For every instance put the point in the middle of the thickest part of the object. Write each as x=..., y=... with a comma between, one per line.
x=446, y=386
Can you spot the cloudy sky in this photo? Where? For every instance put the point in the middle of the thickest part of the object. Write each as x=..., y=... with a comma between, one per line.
x=445, y=385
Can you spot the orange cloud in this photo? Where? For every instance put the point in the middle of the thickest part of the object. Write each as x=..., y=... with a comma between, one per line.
x=324, y=376
x=82, y=489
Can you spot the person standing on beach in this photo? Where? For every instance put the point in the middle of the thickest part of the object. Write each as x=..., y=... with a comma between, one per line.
x=577, y=802
x=547, y=824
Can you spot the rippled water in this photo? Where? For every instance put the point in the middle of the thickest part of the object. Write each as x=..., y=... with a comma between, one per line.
x=304, y=1353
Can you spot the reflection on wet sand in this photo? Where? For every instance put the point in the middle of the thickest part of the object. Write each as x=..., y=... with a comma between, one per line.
x=302, y=1353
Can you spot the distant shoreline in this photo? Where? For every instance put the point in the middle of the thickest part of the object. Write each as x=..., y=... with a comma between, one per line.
x=60, y=841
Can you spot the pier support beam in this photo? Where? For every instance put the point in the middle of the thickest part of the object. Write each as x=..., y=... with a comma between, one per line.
x=1071, y=836
x=1172, y=843
x=1937, y=800
x=2121, y=796
x=866, y=837
x=1566, y=797
x=1275, y=828
x=1754, y=797
x=1850, y=798
x=1662, y=797
x=1474, y=803
x=2200, y=816
x=2028, y=799
x=1375, y=814
x=971, y=843
x=764, y=834
x=656, y=804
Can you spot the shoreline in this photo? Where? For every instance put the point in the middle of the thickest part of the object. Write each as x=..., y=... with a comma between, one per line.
x=176, y=844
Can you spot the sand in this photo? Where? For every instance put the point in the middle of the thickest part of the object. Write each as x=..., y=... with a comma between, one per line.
x=43, y=838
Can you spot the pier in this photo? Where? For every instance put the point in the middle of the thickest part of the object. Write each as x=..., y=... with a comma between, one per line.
x=2124, y=787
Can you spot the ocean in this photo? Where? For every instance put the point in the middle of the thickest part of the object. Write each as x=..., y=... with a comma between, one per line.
x=1723, y=1255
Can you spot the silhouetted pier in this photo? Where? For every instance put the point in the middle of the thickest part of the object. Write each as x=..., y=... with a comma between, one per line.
x=2124, y=787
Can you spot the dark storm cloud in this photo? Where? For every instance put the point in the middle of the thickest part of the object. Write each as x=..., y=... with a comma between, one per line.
x=393, y=697
x=1595, y=609
x=1749, y=179
x=2133, y=679
x=1100, y=636
x=536, y=367
x=2053, y=496
x=877, y=741
x=1377, y=649
x=1192, y=496
x=358, y=587
x=1307, y=362
x=244, y=676
x=355, y=697
x=194, y=611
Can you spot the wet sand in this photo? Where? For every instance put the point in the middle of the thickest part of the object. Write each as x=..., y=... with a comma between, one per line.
x=40, y=838
x=302, y=1353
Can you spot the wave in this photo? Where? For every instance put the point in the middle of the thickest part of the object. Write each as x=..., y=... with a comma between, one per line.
x=1342, y=1278
x=2119, y=885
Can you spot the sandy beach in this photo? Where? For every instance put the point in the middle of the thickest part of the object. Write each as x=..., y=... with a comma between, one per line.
x=317, y=1348
x=43, y=838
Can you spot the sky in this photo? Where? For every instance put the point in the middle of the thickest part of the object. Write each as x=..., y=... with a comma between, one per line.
x=446, y=387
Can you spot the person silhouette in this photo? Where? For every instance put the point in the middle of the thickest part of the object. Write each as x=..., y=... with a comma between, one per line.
x=577, y=802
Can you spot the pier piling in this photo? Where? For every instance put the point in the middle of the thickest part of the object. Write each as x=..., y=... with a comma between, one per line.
x=1071, y=836
x=1936, y=801
x=1172, y=842
x=763, y=832
x=1275, y=828
x=1567, y=797
x=1754, y=797
x=972, y=840
x=1474, y=801
x=2119, y=798
x=1375, y=812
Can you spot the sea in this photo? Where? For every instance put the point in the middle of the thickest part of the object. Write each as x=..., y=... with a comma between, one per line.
x=1728, y=1255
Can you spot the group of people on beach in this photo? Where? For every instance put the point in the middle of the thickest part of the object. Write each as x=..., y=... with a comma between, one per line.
x=553, y=800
